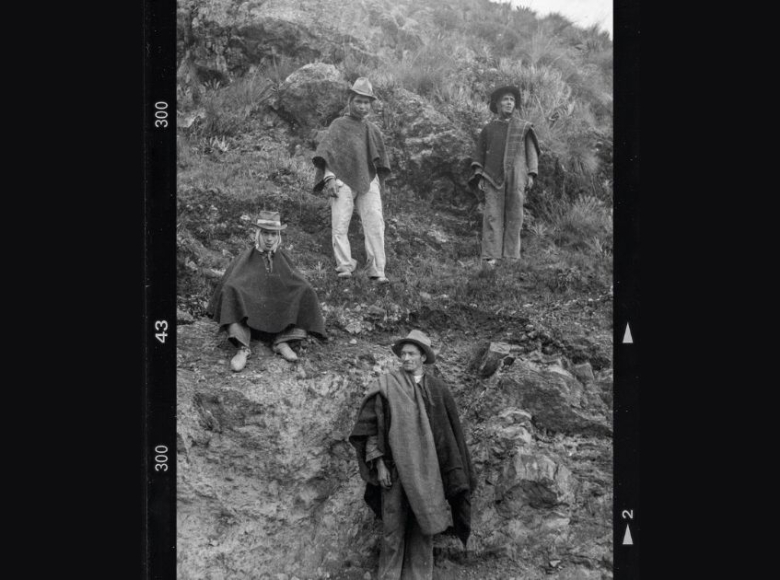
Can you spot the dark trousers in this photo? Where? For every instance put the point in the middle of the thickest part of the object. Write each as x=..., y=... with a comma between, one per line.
x=407, y=553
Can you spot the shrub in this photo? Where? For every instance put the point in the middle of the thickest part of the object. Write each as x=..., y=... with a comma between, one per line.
x=227, y=108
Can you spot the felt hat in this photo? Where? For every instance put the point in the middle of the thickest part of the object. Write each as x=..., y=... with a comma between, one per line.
x=269, y=220
x=500, y=92
x=363, y=87
x=417, y=338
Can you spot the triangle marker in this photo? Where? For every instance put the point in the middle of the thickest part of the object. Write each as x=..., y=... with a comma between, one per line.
x=627, y=539
x=627, y=338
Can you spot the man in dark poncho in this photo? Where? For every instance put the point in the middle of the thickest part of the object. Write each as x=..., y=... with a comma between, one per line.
x=504, y=167
x=351, y=167
x=262, y=295
x=412, y=454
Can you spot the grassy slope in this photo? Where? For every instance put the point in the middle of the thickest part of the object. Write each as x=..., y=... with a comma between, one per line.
x=240, y=157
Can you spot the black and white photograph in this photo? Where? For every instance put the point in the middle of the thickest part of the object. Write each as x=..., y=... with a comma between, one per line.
x=393, y=355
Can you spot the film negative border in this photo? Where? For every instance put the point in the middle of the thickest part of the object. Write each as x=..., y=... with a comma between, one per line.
x=159, y=301
x=159, y=306
x=627, y=514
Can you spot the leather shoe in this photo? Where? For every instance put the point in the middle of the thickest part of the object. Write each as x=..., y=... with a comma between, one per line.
x=239, y=360
x=284, y=349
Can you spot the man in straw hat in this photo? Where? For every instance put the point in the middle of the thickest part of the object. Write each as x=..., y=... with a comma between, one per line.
x=504, y=168
x=413, y=456
x=262, y=295
x=351, y=166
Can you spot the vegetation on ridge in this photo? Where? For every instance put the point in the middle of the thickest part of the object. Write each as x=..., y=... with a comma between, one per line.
x=235, y=158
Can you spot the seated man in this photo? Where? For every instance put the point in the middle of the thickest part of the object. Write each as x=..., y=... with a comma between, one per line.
x=262, y=294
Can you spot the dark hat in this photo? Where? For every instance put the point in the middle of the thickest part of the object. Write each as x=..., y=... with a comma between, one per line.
x=269, y=220
x=500, y=92
x=417, y=338
x=363, y=87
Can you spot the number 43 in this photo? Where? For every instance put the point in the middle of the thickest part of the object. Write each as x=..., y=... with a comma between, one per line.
x=162, y=326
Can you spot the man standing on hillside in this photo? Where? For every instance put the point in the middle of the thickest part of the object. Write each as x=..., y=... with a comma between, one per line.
x=505, y=165
x=413, y=456
x=352, y=166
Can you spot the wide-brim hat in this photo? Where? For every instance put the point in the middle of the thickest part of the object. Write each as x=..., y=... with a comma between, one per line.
x=362, y=86
x=269, y=220
x=417, y=338
x=499, y=92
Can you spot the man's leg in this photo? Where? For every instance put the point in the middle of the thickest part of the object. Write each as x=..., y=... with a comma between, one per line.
x=281, y=342
x=239, y=335
x=370, y=208
x=395, y=510
x=340, y=215
x=513, y=219
x=418, y=555
x=492, y=221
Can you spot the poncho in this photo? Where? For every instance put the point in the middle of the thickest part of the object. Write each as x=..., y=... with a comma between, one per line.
x=501, y=153
x=267, y=299
x=354, y=151
x=454, y=462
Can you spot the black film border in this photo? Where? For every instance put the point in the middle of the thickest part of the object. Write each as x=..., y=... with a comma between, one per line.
x=159, y=289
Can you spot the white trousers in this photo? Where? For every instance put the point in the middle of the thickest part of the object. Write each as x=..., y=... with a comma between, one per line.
x=369, y=207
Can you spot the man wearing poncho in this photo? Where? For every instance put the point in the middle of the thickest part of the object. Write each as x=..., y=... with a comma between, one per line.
x=263, y=295
x=504, y=166
x=412, y=454
x=351, y=167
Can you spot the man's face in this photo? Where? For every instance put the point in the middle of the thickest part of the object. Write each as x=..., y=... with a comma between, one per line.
x=267, y=239
x=507, y=104
x=360, y=106
x=412, y=359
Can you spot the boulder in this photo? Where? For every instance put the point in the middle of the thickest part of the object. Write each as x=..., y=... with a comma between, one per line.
x=583, y=372
x=184, y=317
x=558, y=403
x=434, y=152
x=223, y=36
x=534, y=480
x=493, y=358
x=313, y=95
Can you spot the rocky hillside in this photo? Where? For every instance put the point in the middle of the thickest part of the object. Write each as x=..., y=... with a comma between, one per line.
x=268, y=486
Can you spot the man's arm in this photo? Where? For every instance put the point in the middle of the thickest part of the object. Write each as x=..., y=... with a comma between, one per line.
x=374, y=454
x=531, y=158
x=383, y=474
x=478, y=164
x=478, y=161
x=330, y=182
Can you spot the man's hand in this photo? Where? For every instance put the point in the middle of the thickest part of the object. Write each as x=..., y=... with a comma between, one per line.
x=530, y=183
x=478, y=189
x=330, y=188
x=383, y=473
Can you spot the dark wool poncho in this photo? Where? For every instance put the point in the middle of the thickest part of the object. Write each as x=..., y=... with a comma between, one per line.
x=457, y=472
x=354, y=151
x=501, y=153
x=268, y=301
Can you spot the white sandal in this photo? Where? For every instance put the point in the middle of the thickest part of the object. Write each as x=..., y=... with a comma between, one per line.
x=238, y=362
x=287, y=353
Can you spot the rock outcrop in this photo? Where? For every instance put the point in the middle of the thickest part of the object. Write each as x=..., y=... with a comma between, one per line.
x=313, y=95
x=268, y=483
x=227, y=37
x=434, y=152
